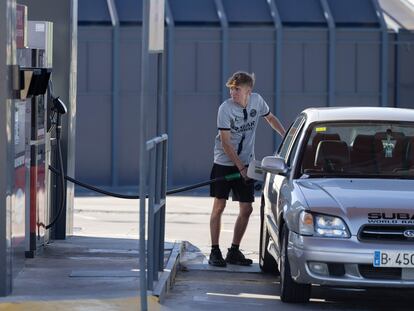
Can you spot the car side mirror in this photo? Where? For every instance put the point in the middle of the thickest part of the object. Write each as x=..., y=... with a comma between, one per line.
x=274, y=165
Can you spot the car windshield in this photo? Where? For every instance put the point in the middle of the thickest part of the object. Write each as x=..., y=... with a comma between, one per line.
x=359, y=149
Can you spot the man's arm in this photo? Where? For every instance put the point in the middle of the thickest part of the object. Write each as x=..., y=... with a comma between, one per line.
x=231, y=153
x=275, y=124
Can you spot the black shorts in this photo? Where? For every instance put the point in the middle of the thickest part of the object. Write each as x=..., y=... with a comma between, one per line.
x=241, y=191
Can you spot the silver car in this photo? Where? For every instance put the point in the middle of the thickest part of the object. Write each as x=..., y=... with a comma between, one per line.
x=338, y=201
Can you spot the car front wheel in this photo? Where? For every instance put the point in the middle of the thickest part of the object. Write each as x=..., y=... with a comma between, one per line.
x=290, y=291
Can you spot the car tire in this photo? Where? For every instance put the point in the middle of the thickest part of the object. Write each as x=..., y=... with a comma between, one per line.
x=290, y=291
x=266, y=261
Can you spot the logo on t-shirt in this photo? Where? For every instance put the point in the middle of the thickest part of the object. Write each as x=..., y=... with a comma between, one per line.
x=233, y=125
x=243, y=127
x=253, y=113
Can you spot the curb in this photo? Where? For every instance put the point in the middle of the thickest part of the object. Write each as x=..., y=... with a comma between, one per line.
x=167, y=277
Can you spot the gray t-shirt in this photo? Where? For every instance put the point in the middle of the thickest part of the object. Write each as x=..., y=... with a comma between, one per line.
x=242, y=126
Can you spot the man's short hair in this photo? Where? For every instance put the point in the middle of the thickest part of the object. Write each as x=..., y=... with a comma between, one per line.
x=241, y=78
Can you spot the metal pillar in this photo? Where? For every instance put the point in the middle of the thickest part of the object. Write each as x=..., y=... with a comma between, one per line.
x=7, y=58
x=71, y=123
x=384, y=54
x=278, y=63
x=397, y=63
x=161, y=158
x=157, y=149
x=115, y=92
x=170, y=86
x=145, y=59
x=224, y=47
x=332, y=52
x=161, y=108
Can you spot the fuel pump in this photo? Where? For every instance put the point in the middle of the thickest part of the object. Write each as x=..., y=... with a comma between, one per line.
x=34, y=60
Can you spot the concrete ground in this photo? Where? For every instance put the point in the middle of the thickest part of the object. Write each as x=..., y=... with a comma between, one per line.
x=201, y=287
x=97, y=268
x=187, y=219
x=234, y=291
x=81, y=273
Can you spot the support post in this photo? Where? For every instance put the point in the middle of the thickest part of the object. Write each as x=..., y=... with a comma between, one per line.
x=278, y=63
x=224, y=47
x=332, y=52
x=170, y=87
x=384, y=54
x=7, y=58
x=115, y=92
x=397, y=63
x=145, y=59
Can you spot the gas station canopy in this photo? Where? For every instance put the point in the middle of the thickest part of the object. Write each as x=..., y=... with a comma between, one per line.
x=350, y=13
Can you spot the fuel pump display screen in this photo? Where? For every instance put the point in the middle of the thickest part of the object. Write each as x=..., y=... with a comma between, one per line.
x=33, y=81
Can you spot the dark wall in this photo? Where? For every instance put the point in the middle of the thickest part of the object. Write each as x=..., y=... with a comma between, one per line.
x=197, y=88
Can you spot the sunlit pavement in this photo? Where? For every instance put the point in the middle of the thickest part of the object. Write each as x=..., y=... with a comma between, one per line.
x=81, y=305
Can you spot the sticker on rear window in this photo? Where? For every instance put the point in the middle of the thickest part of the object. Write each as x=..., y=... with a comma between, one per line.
x=321, y=129
x=388, y=145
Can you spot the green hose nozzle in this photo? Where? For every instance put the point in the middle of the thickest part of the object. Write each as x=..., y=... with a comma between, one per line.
x=233, y=176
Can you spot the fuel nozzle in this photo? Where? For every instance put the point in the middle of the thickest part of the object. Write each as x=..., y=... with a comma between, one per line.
x=59, y=107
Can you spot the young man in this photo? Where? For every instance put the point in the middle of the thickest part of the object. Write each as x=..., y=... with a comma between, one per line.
x=237, y=121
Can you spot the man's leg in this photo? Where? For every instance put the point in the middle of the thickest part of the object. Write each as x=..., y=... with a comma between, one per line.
x=215, y=220
x=234, y=255
x=242, y=221
x=216, y=258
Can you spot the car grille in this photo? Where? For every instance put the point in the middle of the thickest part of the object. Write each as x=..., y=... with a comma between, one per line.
x=384, y=233
x=371, y=272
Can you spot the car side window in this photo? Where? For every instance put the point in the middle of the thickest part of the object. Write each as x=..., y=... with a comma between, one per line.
x=285, y=138
x=283, y=151
x=295, y=144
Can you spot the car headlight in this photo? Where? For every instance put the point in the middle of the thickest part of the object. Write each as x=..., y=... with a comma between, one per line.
x=322, y=225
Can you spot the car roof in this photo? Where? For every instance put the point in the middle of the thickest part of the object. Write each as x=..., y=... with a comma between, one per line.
x=358, y=114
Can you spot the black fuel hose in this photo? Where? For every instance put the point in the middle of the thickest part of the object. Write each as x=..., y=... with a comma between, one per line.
x=62, y=185
x=229, y=177
x=62, y=180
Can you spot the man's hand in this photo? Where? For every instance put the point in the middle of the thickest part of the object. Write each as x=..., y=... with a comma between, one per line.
x=243, y=173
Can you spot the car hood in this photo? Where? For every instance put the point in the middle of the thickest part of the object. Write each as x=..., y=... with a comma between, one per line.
x=361, y=201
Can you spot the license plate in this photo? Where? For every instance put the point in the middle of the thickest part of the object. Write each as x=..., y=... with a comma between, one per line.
x=394, y=259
